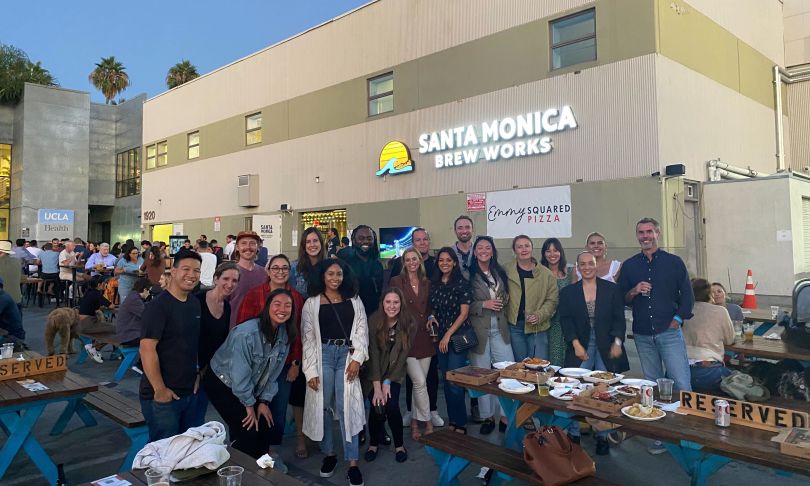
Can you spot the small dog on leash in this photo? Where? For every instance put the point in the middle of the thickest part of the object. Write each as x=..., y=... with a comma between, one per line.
x=61, y=321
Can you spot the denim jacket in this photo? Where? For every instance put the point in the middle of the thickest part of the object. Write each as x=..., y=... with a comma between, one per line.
x=242, y=359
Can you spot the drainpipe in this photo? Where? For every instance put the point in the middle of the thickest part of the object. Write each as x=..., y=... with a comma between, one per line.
x=719, y=170
x=788, y=77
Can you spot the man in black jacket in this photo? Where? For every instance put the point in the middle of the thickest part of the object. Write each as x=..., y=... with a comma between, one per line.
x=364, y=259
x=421, y=241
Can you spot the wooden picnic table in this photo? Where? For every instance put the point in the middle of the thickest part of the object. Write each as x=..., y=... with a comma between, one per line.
x=20, y=409
x=769, y=348
x=697, y=444
x=763, y=315
x=253, y=475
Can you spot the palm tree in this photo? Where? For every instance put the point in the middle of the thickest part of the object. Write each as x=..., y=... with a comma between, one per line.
x=109, y=77
x=16, y=70
x=180, y=73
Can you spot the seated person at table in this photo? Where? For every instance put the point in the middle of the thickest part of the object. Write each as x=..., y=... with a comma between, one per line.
x=101, y=260
x=89, y=322
x=128, y=321
x=719, y=298
x=11, y=328
x=705, y=334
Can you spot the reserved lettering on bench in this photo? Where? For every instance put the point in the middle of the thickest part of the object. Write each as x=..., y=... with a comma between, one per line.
x=12, y=368
x=749, y=414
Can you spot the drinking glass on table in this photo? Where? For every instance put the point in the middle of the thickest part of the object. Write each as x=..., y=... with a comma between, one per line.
x=665, y=389
x=774, y=311
x=158, y=476
x=738, y=328
x=748, y=333
x=230, y=475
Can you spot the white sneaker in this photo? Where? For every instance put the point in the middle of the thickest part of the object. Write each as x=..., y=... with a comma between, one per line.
x=406, y=419
x=435, y=419
x=94, y=353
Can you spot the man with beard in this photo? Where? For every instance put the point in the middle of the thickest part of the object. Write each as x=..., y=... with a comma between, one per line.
x=463, y=226
x=364, y=259
x=250, y=274
x=168, y=348
x=421, y=241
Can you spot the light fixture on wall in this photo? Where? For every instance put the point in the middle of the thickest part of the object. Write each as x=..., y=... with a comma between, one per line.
x=160, y=201
x=317, y=179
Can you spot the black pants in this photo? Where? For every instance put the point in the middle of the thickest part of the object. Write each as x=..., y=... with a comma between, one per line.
x=252, y=442
x=376, y=423
x=431, y=381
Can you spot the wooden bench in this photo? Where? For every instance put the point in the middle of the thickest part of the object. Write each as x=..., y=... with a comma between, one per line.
x=124, y=411
x=453, y=452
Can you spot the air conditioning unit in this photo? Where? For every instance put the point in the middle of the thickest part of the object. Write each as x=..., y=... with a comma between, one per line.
x=247, y=190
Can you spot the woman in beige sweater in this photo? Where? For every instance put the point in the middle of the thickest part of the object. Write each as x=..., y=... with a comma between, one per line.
x=705, y=335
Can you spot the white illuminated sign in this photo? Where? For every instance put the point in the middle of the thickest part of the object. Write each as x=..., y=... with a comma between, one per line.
x=510, y=137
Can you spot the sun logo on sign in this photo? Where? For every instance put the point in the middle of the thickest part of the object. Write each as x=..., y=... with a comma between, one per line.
x=395, y=158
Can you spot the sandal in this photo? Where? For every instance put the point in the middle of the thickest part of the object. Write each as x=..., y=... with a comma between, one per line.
x=415, y=434
x=401, y=456
x=301, y=448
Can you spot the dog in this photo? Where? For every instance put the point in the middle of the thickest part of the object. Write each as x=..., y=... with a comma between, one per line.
x=61, y=321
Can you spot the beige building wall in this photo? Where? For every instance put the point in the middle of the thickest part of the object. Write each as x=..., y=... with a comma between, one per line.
x=797, y=141
x=797, y=32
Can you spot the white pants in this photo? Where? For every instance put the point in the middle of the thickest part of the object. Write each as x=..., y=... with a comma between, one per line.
x=420, y=402
x=495, y=350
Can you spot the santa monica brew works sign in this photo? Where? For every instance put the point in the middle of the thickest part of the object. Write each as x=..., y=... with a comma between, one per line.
x=542, y=212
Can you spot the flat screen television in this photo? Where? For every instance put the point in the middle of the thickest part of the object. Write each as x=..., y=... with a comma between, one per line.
x=393, y=241
x=175, y=243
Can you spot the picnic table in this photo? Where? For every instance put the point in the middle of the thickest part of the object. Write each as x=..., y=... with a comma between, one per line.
x=253, y=475
x=699, y=447
x=769, y=348
x=20, y=409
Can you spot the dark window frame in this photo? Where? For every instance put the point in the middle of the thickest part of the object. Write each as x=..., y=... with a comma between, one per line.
x=553, y=46
x=249, y=131
x=190, y=146
x=128, y=173
x=379, y=95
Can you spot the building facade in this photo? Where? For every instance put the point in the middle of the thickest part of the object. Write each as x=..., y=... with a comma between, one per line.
x=69, y=167
x=549, y=118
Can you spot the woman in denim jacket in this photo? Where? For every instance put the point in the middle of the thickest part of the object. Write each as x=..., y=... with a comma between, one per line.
x=241, y=380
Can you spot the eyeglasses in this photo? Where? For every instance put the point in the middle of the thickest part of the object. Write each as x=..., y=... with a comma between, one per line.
x=280, y=269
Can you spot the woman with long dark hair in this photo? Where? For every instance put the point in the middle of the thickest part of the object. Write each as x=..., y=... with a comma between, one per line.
x=311, y=251
x=334, y=334
x=154, y=264
x=552, y=256
x=450, y=299
x=126, y=268
x=391, y=331
x=241, y=380
x=490, y=287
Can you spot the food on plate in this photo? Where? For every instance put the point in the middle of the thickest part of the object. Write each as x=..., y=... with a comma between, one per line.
x=569, y=393
x=627, y=390
x=561, y=380
x=602, y=396
x=537, y=362
x=603, y=375
x=641, y=411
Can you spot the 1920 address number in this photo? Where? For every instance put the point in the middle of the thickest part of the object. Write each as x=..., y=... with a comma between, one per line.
x=149, y=216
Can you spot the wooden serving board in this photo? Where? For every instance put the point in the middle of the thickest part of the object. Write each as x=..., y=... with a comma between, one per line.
x=473, y=375
x=519, y=371
x=584, y=400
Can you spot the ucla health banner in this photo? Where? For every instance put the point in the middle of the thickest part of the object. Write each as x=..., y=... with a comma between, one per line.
x=54, y=223
x=542, y=212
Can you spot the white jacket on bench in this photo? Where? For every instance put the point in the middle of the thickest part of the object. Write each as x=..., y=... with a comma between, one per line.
x=202, y=446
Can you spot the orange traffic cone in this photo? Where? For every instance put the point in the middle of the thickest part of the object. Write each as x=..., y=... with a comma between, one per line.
x=750, y=298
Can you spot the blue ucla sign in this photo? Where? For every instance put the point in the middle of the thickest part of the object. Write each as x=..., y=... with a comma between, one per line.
x=55, y=216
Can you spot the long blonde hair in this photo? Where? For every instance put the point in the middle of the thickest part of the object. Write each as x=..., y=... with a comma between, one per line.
x=420, y=272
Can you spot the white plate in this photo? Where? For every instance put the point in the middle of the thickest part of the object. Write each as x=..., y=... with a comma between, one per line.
x=502, y=365
x=624, y=394
x=558, y=392
x=570, y=382
x=513, y=386
x=574, y=372
x=618, y=377
x=535, y=366
x=638, y=382
x=643, y=419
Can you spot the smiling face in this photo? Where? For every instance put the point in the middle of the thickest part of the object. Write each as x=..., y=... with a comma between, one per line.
x=312, y=245
x=483, y=251
x=279, y=272
x=391, y=305
x=445, y=263
x=718, y=295
x=247, y=249
x=186, y=274
x=280, y=309
x=523, y=249
x=411, y=261
x=134, y=254
x=363, y=239
x=464, y=230
x=596, y=245
x=227, y=281
x=647, y=235
x=421, y=241
x=586, y=263
x=333, y=277
x=552, y=255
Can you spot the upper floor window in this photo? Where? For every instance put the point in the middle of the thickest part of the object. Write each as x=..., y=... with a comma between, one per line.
x=381, y=94
x=162, y=153
x=253, y=129
x=128, y=173
x=573, y=39
x=194, y=145
x=151, y=157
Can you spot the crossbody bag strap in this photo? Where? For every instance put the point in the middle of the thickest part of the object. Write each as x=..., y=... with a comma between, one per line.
x=337, y=316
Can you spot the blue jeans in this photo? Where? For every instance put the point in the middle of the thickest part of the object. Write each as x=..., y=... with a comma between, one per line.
x=332, y=381
x=528, y=345
x=453, y=394
x=707, y=380
x=594, y=361
x=172, y=418
x=199, y=407
x=495, y=350
x=278, y=407
x=665, y=349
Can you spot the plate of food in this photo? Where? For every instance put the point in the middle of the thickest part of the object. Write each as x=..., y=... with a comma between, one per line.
x=627, y=390
x=563, y=381
x=501, y=365
x=566, y=394
x=603, y=377
x=536, y=363
x=574, y=372
x=637, y=382
x=645, y=414
x=513, y=386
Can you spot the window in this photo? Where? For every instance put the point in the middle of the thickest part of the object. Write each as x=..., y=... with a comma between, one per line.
x=128, y=173
x=381, y=94
x=194, y=145
x=150, y=157
x=573, y=39
x=162, y=153
x=253, y=129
